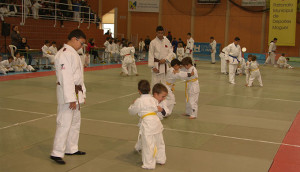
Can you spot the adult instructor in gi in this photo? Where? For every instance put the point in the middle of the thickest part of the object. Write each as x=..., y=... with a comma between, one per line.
x=71, y=92
x=160, y=53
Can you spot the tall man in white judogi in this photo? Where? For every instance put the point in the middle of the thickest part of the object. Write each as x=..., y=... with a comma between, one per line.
x=233, y=55
x=160, y=53
x=71, y=92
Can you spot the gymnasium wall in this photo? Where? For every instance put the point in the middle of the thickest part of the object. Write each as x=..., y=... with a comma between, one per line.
x=209, y=21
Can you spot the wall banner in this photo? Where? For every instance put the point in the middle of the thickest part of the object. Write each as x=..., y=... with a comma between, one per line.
x=143, y=6
x=203, y=48
x=282, y=22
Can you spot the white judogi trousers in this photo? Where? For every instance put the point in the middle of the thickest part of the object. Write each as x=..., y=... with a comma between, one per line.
x=213, y=57
x=67, y=130
x=253, y=75
x=271, y=58
x=232, y=69
x=223, y=63
x=153, y=150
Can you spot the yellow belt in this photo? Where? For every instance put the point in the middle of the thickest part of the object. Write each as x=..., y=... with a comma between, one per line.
x=173, y=86
x=148, y=114
x=254, y=69
x=191, y=80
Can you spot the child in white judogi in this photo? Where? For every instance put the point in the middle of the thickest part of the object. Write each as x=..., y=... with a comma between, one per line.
x=189, y=47
x=247, y=71
x=192, y=88
x=3, y=70
x=180, y=52
x=128, y=63
x=223, y=61
x=213, y=46
x=35, y=9
x=146, y=106
x=21, y=64
x=114, y=50
x=233, y=55
x=254, y=72
x=106, y=51
x=53, y=48
x=241, y=67
x=47, y=52
x=8, y=64
x=271, y=53
x=87, y=58
x=282, y=62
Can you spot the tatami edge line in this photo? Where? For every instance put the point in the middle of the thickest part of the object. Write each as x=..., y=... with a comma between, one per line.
x=263, y=98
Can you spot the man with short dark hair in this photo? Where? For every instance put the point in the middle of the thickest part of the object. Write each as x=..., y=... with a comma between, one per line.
x=160, y=53
x=271, y=53
x=71, y=92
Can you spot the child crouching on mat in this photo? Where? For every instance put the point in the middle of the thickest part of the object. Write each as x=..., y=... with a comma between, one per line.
x=147, y=107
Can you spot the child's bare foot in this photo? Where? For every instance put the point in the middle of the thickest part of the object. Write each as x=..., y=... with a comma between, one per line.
x=185, y=114
x=192, y=117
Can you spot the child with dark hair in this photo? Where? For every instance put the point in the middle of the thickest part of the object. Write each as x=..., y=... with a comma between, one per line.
x=247, y=65
x=180, y=52
x=7, y=65
x=192, y=88
x=254, y=72
x=128, y=62
x=146, y=106
x=47, y=52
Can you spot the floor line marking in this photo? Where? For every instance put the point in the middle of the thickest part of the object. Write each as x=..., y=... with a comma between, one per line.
x=104, y=101
x=21, y=123
x=40, y=113
x=169, y=129
x=264, y=98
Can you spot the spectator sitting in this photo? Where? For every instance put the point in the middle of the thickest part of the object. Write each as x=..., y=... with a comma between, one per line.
x=12, y=9
x=24, y=47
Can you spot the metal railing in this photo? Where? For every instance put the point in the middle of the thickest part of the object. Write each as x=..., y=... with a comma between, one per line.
x=58, y=12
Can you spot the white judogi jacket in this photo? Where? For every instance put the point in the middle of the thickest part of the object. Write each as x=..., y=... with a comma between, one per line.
x=106, y=43
x=46, y=51
x=160, y=49
x=233, y=53
x=53, y=50
x=253, y=67
x=189, y=46
x=281, y=61
x=272, y=47
x=180, y=53
x=6, y=64
x=114, y=48
x=127, y=53
x=213, y=46
x=164, y=105
x=69, y=72
x=146, y=108
x=192, y=83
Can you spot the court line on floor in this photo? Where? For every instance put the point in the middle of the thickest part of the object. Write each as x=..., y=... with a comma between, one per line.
x=169, y=129
x=40, y=113
x=264, y=98
x=104, y=101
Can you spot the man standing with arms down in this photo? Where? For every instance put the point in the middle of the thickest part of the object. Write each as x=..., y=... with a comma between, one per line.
x=233, y=55
x=71, y=92
x=160, y=53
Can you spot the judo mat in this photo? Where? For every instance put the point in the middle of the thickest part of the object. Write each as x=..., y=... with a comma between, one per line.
x=238, y=129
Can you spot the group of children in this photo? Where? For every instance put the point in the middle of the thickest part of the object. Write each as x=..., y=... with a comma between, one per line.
x=15, y=64
x=153, y=108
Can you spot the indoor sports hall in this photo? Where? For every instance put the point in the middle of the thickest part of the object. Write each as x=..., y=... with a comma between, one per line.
x=239, y=128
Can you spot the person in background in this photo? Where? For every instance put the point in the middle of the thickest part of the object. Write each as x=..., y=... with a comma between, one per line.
x=24, y=47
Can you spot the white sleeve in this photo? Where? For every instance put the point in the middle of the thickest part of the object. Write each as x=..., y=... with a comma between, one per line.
x=169, y=57
x=135, y=107
x=271, y=47
x=151, y=55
